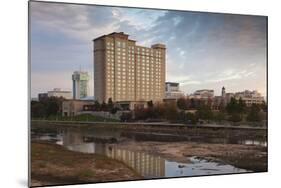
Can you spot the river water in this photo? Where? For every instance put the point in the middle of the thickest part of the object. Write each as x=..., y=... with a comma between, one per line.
x=99, y=141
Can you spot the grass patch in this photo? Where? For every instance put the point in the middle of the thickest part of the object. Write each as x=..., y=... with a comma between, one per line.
x=86, y=173
x=53, y=164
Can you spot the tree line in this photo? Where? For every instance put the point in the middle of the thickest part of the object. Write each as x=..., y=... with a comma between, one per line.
x=183, y=110
x=193, y=111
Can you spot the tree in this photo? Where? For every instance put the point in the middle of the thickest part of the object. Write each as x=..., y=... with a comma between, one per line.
x=126, y=116
x=159, y=111
x=192, y=103
x=37, y=110
x=150, y=104
x=97, y=105
x=235, y=106
x=50, y=106
x=191, y=118
x=241, y=105
x=53, y=106
x=110, y=104
x=235, y=117
x=264, y=106
x=204, y=112
x=171, y=111
x=140, y=114
x=235, y=109
x=114, y=110
x=219, y=116
x=181, y=103
x=232, y=107
x=182, y=116
x=103, y=106
x=254, y=114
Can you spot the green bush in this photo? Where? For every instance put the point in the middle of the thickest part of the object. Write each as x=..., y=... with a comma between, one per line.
x=235, y=118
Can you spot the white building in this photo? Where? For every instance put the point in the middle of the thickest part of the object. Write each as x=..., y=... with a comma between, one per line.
x=250, y=97
x=172, y=91
x=80, y=84
x=203, y=94
x=57, y=92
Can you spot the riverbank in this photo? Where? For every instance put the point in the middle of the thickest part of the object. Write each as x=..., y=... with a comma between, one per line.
x=139, y=124
x=52, y=164
x=164, y=132
x=249, y=157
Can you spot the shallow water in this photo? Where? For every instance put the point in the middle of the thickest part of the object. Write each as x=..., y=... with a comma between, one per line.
x=149, y=166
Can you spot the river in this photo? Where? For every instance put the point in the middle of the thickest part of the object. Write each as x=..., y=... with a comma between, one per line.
x=106, y=142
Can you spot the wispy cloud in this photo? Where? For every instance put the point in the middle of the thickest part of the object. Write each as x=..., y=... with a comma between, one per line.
x=203, y=49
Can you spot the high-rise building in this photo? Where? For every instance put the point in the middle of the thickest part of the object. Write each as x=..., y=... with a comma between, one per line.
x=124, y=71
x=80, y=84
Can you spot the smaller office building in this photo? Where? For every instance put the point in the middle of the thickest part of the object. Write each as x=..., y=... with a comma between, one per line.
x=57, y=92
x=73, y=107
x=172, y=90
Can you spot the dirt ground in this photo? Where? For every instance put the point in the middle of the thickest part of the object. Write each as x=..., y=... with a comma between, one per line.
x=249, y=157
x=53, y=165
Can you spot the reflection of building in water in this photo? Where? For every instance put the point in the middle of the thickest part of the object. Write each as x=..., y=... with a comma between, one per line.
x=73, y=140
x=144, y=164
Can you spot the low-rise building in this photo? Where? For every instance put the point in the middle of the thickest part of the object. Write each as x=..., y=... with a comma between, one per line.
x=131, y=105
x=57, y=92
x=250, y=97
x=203, y=94
x=73, y=107
x=42, y=96
x=172, y=91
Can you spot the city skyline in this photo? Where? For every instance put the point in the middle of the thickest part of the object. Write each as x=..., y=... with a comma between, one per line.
x=62, y=41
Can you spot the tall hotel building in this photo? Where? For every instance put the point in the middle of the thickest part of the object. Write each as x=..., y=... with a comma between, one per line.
x=125, y=71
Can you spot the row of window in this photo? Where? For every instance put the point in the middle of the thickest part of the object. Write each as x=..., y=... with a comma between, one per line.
x=131, y=60
x=122, y=44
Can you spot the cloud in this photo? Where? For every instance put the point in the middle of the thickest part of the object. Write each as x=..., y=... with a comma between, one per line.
x=231, y=75
x=203, y=49
x=79, y=21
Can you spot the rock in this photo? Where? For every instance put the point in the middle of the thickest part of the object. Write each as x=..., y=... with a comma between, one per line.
x=181, y=166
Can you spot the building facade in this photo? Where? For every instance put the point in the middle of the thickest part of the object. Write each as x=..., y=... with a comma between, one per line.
x=73, y=107
x=42, y=96
x=172, y=90
x=124, y=71
x=57, y=92
x=80, y=84
x=250, y=97
x=203, y=94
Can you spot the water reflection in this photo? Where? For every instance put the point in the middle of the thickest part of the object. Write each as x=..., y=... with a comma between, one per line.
x=198, y=167
x=149, y=166
x=254, y=142
x=144, y=164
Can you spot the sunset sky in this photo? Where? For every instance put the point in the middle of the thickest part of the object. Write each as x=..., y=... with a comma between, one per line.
x=204, y=50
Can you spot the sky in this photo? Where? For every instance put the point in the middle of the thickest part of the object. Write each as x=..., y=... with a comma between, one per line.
x=204, y=50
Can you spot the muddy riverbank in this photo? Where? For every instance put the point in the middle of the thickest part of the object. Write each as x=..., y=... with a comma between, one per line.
x=52, y=164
